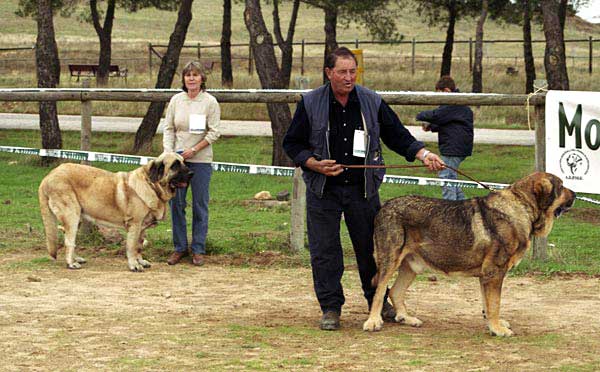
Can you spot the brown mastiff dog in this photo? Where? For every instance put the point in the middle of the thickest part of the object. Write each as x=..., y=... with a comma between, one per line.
x=132, y=200
x=482, y=237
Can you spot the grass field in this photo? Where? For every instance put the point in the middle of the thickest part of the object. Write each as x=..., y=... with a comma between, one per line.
x=237, y=228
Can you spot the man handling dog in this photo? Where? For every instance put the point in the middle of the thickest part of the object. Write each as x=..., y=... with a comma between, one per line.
x=341, y=123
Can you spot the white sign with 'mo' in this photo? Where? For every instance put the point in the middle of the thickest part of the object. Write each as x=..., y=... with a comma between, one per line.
x=573, y=139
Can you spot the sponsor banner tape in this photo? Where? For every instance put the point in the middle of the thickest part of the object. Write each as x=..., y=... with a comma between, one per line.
x=241, y=168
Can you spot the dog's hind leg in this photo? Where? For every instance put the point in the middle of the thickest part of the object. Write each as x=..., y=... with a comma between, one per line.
x=397, y=294
x=50, y=223
x=483, y=304
x=69, y=218
x=375, y=321
x=388, y=256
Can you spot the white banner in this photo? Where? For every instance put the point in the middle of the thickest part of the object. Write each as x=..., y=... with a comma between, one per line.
x=573, y=139
x=243, y=168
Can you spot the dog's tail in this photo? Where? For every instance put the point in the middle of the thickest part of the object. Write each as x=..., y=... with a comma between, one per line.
x=386, y=256
x=50, y=222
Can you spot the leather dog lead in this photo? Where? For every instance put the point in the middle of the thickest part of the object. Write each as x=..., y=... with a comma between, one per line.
x=416, y=166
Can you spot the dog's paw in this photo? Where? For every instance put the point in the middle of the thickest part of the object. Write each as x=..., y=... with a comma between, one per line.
x=136, y=267
x=80, y=260
x=505, y=324
x=74, y=266
x=144, y=263
x=372, y=325
x=408, y=320
x=500, y=331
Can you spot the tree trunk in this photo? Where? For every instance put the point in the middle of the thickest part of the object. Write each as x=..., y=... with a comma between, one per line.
x=477, y=64
x=449, y=45
x=528, y=48
x=226, y=69
x=555, y=61
x=48, y=76
x=562, y=14
x=168, y=67
x=269, y=73
x=330, y=34
x=105, y=36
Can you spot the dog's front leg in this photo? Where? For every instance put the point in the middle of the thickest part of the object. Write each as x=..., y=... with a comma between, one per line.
x=133, y=236
x=492, y=291
x=142, y=243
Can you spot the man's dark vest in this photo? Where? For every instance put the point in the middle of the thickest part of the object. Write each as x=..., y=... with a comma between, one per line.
x=316, y=103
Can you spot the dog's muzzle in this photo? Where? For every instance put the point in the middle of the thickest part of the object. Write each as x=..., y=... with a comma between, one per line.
x=564, y=208
x=182, y=179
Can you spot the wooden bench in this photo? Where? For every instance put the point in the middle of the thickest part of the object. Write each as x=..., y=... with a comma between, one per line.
x=92, y=70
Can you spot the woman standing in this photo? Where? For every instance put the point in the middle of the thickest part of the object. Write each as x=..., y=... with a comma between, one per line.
x=191, y=126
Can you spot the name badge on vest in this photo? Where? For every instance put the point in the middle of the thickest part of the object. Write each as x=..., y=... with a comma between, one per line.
x=197, y=123
x=358, y=148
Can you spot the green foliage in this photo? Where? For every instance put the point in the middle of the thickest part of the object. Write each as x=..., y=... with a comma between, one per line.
x=28, y=8
x=377, y=17
x=136, y=5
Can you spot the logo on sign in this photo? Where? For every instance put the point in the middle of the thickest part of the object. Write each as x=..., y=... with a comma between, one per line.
x=574, y=164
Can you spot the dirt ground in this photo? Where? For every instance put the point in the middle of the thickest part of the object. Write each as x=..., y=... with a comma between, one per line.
x=265, y=317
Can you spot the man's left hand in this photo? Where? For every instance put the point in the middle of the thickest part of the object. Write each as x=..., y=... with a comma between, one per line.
x=434, y=162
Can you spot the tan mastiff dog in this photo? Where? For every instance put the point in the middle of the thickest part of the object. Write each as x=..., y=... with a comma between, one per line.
x=131, y=200
x=483, y=237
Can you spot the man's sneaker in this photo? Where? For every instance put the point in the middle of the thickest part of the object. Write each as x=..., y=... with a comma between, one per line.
x=330, y=321
x=388, y=313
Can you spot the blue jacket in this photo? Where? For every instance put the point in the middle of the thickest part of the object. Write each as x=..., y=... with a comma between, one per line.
x=454, y=125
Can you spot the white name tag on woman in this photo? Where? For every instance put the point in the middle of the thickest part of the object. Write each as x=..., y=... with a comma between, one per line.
x=358, y=148
x=197, y=123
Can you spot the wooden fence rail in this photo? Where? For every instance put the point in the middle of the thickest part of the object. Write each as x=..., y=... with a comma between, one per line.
x=260, y=96
x=86, y=96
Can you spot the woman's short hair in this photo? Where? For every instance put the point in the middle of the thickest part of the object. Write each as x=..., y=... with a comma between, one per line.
x=193, y=66
x=341, y=52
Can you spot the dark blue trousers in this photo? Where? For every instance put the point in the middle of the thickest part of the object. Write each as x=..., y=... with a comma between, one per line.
x=323, y=219
x=200, y=197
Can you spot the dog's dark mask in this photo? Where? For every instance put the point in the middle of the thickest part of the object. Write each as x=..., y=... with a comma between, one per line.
x=182, y=176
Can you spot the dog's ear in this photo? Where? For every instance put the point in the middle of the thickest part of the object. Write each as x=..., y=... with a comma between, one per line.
x=156, y=170
x=545, y=194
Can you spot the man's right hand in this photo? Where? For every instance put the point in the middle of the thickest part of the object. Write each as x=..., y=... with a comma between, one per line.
x=327, y=167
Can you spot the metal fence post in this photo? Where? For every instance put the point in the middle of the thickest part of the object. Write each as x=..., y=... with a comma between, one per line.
x=298, y=210
x=414, y=44
x=302, y=59
x=150, y=60
x=540, y=245
x=86, y=122
x=470, y=54
x=591, y=56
